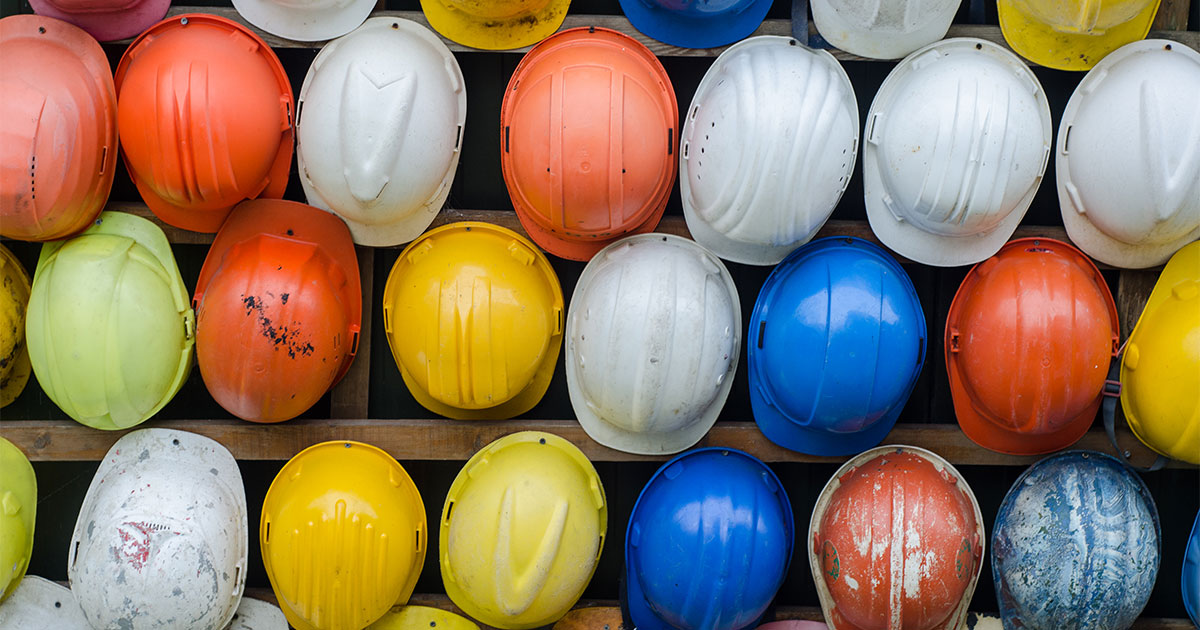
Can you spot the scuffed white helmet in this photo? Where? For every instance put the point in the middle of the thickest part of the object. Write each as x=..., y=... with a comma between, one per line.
x=39, y=604
x=883, y=29
x=305, y=20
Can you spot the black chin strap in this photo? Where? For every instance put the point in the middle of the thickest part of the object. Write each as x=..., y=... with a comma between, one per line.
x=1112, y=392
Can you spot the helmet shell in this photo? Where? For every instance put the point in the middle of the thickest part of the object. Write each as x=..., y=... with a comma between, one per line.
x=380, y=129
x=495, y=24
x=1073, y=34
x=278, y=308
x=162, y=535
x=60, y=128
x=708, y=543
x=473, y=314
x=768, y=148
x=883, y=29
x=696, y=23
x=205, y=112
x=422, y=618
x=109, y=328
x=1190, y=580
x=604, y=166
x=14, y=352
x=341, y=519
x=837, y=343
x=305, y=20
x=1029, y=338
x=1137, y=112
x=18, y=512
x=39, y=603
x=522, y=530
x=1076, y=545
x=105, y=20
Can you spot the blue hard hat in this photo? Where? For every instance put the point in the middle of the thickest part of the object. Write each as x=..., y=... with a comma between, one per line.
x=1191, y=574
x=1076, y=545
x=836, y=342
x=696, y=23
x=708, y=543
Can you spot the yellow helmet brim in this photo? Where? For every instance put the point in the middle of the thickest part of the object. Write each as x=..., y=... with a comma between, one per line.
x=1038, y=42
x=487, y=34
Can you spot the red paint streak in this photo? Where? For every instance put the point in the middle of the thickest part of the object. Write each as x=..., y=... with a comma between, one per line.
x=136, y=541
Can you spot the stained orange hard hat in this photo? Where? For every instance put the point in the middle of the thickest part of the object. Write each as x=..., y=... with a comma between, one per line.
x=60, y=128
x=589, y=125
x=278, y=309
x=205, y=111
x=1029, y=338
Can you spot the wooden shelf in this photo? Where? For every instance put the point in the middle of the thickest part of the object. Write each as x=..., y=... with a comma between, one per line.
x=620, y=23
x=440, y=439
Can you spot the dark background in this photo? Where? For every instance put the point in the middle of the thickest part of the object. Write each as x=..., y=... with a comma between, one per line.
x=479, y=185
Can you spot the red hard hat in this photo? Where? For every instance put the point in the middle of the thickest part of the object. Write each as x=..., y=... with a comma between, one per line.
x=1029, y=338
x=59, y=147
x=205, y=112
x=278, y=308
x=896, y=541
x=588, y=131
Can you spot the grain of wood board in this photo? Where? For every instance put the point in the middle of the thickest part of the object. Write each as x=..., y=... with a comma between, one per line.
x=350, y=396
x=1172, y=16
x=620, y=23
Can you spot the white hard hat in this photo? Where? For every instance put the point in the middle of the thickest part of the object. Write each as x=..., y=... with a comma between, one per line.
x=653, y=335
x=883, y=29
x=955, y=146
x=305, y=20
x=768, y=147
x=39, y=604
x=379, y=127
x=1128, y=159
x=254, y=614
x=161, y=538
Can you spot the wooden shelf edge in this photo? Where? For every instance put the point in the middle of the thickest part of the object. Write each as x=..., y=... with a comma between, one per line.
x=620, y=23
x=440, y=439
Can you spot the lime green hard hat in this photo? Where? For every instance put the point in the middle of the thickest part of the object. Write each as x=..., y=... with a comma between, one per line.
x=18, y=504
x=109, y=327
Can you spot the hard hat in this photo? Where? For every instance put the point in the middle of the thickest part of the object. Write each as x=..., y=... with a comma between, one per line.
x=696, y=23
x=708, y=544
x=653, y=336
x=1136, y=112
x=305, y=21
x=1029, y=337
x=162, y=535
x=793, y=624
x=588, y=142
x=495, y=24
x=14, y=354
x=834, y=384
x=769, y=144
x=60, y=128
x=1190, y=581
x=278, y=309
x=1073, y=34
x=105, y=20
x=109, y=329
x=1160, y=369
x=422, y=618
x=883, y=29
x=18, y=508
x=896, y=541
x=343, y=536
x=380, y=129
x=205, y=112
x=253, y=614
x=39, y=604
x=522, y=531
x=955, y=146
x=1075, y=545
x=474, y=316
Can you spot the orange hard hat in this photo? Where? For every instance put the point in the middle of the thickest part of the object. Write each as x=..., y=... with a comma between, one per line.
x=60, y=128
x=588, y=131
x=1029, y=338
x=278, y=308
x=205, y=112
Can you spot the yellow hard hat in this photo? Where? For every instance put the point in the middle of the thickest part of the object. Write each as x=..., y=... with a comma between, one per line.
x=473, y=313
x=1160, y=371
x=521, y=531
x=14, y=355
x=495, y=24
x=422, y=618
x=1073, y=34
x=343, y=536
x=18, y=506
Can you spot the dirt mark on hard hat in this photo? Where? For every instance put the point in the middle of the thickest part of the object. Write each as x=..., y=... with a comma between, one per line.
x=285, y=338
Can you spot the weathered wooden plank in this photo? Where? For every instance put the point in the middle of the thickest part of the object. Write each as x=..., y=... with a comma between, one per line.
x=1133, y=289
x=620, y=23
x=349, y=397
x=438, y=439
x=1172, y=16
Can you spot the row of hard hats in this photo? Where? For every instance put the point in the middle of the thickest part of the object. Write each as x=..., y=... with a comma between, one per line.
x=1070, y=35
x=474, y=316
x=956, y=140
x=896, y=538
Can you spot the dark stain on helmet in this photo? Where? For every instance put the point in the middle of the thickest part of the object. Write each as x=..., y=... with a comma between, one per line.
x=282, y=337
